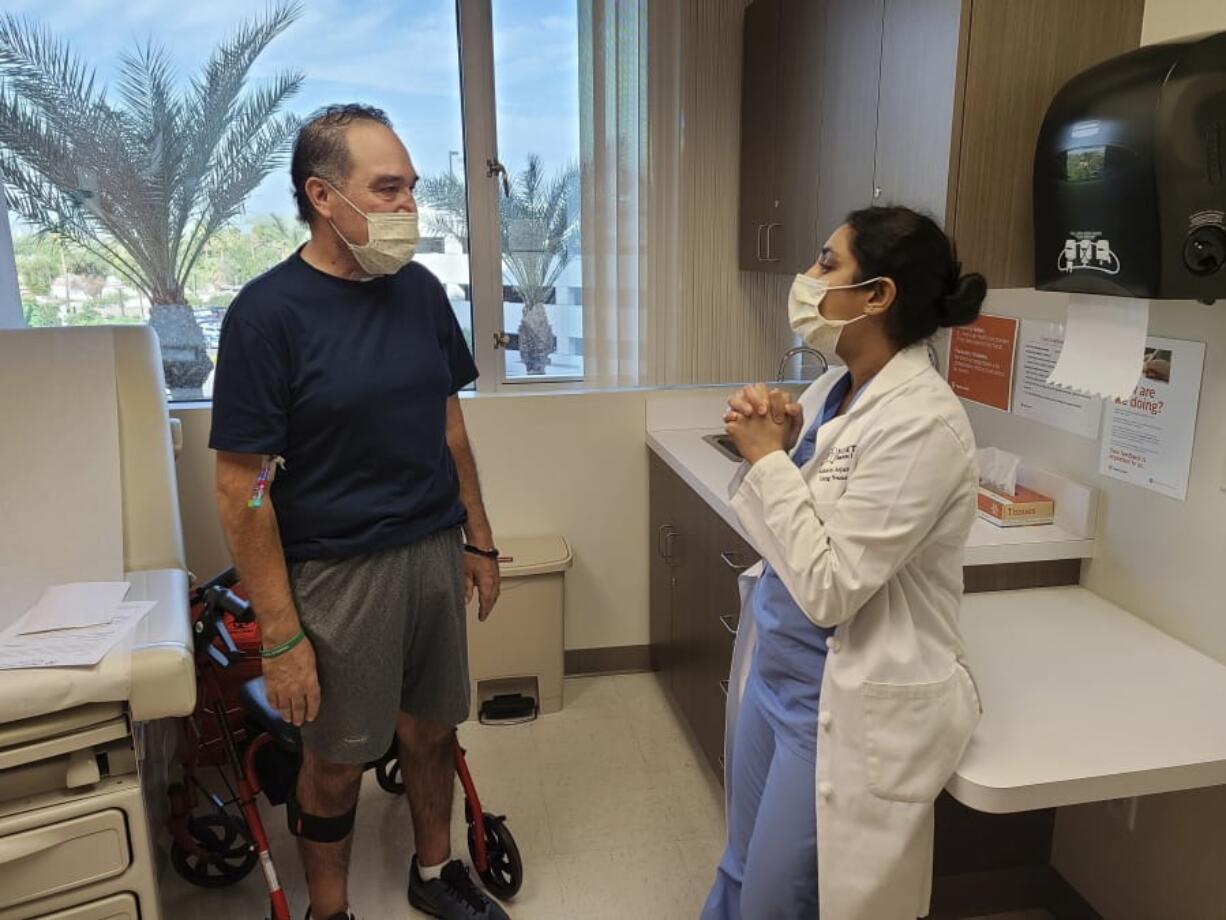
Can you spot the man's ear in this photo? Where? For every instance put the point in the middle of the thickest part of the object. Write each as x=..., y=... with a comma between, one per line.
x=881, y=296
x=320, y=196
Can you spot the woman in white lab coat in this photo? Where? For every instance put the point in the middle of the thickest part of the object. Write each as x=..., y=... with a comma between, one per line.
x=851, y=703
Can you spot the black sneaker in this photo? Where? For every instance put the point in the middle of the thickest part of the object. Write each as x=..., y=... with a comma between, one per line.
x=341, y=916
x=455, y=896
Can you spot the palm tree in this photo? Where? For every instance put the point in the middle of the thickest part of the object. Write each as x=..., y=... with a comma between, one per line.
x=145, y=181
x=539, y=227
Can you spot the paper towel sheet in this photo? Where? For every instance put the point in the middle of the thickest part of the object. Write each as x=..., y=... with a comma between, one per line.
x=1104, y=345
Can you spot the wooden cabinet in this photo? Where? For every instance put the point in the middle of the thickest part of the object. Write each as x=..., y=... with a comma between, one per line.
x=779, y=112
x=934, y=104
x=1011, y=76
x=850, y=50
x=915, y=112
x=695, y=603
x=759, y=104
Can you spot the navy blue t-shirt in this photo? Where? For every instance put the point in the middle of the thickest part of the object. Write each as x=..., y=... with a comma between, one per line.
x=349, y=382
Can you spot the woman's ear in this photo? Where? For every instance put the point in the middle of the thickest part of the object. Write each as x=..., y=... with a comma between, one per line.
x=881, y=296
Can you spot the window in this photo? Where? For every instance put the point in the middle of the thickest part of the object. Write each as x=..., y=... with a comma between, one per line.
x=536, y=64
x=132, y=201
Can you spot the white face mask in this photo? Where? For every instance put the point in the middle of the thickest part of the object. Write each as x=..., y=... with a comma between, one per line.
x=805, y=315
x=391, y=240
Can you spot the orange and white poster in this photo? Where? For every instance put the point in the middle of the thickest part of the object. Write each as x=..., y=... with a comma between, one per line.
x=981, y=361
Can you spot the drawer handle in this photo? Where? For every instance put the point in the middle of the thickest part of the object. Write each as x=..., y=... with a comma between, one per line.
x=726, y=620
x=23, y=846
x=723, y=685
x=729, y=558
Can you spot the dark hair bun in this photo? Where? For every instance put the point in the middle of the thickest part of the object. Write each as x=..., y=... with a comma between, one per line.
x=962, y=302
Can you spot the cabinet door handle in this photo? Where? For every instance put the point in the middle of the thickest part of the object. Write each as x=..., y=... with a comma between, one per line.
x=769, y=228
x=723, y=685
x=732, y=563
x=727, y=621
x=664, y=541
x=761, y=227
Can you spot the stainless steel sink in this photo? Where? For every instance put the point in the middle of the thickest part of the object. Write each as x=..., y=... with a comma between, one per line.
x=723, y=443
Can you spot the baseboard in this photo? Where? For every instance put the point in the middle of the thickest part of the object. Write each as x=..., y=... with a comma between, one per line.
x=611, y=660
x=1010, y=576
x=979, y=894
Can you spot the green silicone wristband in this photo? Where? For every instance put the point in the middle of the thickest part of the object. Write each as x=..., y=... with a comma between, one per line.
x=284, y=646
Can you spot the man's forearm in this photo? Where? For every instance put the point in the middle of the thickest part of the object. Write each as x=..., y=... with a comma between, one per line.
x=255, y=545
x=477, y=529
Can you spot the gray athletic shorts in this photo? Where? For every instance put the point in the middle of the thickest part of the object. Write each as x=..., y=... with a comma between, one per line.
x=389, y=631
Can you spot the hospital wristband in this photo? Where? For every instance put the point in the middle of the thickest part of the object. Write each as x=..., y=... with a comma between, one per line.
x=284, y=647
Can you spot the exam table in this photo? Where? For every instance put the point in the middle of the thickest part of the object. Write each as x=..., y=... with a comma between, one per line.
x=83, y=755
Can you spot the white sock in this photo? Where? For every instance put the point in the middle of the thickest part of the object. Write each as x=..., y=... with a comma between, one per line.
x=430, y=873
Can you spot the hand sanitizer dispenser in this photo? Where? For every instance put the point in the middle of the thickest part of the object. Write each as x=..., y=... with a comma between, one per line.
x=1130, y=176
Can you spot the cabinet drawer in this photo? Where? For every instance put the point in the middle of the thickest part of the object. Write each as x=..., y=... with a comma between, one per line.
x=730, y=556
x=119, y=907
x=59, y=857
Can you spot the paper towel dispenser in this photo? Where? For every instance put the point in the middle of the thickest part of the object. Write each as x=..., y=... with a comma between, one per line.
x=1129, y=190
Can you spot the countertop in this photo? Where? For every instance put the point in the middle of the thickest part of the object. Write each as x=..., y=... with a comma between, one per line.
x=1084, y=702
x=708, y=473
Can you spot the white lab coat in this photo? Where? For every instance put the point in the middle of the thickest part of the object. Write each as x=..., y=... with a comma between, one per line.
x=868, y=538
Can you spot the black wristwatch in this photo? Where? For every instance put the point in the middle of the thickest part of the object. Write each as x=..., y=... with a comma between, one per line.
x=484, y=553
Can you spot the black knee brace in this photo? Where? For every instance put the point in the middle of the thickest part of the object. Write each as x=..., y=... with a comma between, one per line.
x=315, y=828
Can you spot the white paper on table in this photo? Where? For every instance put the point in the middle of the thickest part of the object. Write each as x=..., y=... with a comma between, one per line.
x=60, y=497
x=1039, y=347
x=1104, y=345
x=1148, y=438
x=82, y=603
x=71, y=647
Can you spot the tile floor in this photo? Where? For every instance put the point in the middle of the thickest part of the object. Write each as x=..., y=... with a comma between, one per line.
x=615, y=811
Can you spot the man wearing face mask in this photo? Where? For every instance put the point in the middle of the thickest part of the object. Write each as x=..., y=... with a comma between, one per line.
x=350, y=501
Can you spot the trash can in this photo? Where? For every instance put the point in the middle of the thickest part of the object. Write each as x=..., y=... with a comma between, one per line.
x=515, y=658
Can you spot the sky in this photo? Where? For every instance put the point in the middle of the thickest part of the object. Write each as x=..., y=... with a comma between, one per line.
x=401, y=55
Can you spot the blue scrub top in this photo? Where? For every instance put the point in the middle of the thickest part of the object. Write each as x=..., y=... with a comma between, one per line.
x=790, y=655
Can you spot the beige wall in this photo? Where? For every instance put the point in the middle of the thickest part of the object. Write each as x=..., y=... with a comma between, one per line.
x=1154, y=554
x=575, y=465
x=1162, y=560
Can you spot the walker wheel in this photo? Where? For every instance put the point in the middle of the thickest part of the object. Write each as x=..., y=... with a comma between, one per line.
x=504, y=875
x=389, y=777
x=226, y=855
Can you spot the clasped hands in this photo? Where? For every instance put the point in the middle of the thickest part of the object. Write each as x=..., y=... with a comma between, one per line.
x=761, y=421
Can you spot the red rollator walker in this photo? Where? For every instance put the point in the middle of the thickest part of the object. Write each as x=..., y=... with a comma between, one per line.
x=218, y=834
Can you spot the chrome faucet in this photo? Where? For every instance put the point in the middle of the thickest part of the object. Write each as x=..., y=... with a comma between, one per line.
x=801, y=350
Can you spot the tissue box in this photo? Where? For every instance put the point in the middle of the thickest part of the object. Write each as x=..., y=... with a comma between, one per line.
x=1023, y=507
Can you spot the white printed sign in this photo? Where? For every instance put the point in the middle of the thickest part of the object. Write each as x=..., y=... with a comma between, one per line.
x=1148, y=438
